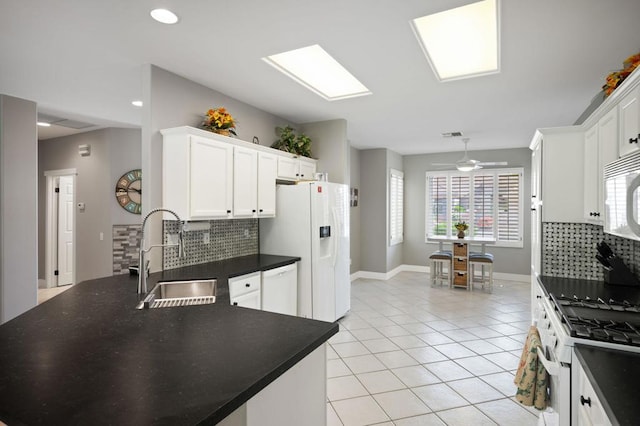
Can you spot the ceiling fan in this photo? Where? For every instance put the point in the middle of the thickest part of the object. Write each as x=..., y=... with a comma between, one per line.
x=466, y=164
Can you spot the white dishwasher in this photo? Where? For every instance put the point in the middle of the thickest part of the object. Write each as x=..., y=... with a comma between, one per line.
x=280, y=290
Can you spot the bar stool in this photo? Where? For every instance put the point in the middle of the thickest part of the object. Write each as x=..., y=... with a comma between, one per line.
x=438, y=260
x=483, y=260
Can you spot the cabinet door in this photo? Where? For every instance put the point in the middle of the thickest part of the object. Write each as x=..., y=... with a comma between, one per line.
x=591, y=184
x=607, y=151
x=267, y=172
x=307, y=169
x=245, y=182
x=590, y=409
x=629, y=123
x=288, y=168
x=244, y=284
x=280, y=290
x=210, y=178
x=248, y=300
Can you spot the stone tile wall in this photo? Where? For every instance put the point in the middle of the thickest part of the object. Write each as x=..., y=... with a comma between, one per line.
x=569, y=249
x=126, y=247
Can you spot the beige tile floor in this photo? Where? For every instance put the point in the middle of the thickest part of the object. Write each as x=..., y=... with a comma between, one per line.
x=410, y=354
x=45, y=294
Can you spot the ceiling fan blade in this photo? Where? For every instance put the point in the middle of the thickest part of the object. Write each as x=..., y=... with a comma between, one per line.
x=492, y=163
x=443, y=164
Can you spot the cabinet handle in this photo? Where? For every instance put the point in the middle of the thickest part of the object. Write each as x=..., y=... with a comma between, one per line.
x=597, y=214
x=261, y=210
x=228, y=211
x=533, y=209
x=247, y=285
x=631, y=140
x=235, y=303
x=538, y=296
x=253, y=211
x=297, y=174
x=586, y=401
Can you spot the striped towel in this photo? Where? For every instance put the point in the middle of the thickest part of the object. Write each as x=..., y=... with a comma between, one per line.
x=531, y=377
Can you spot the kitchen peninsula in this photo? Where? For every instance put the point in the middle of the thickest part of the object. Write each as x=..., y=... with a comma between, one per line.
x=88, y=356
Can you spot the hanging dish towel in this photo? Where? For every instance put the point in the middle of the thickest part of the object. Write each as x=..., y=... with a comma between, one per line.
x=531, y=377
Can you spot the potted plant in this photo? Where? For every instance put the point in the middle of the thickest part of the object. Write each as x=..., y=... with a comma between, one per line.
x=219, y=120
x=290, y=142
x=461, y=227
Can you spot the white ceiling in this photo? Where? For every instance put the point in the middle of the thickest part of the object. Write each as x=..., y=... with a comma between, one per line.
x=82, y=59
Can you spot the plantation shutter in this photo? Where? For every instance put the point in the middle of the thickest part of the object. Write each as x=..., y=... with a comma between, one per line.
x=396, y=207
x=509, y=214
x=437, y=217
x=483, y=202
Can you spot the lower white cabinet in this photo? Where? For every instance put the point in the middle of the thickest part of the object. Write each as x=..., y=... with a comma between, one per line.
x=280, y=290
x=244, y=290
x=589, y=407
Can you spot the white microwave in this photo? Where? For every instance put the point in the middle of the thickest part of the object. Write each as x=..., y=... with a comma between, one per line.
x=622, y=197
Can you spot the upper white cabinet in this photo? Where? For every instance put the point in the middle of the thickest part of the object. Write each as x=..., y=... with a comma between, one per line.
x=600, y=148
x=298, y=168
x=561, y=175
x=245, y=182
x=629, y=122
x=190, y=165
x=208, y=176
x=267, y=173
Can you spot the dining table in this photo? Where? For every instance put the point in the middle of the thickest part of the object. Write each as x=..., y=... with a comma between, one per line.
x=460, y=249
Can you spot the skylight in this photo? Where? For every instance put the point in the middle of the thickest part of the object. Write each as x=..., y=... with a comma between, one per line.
x=461, y=42
x=319, y=72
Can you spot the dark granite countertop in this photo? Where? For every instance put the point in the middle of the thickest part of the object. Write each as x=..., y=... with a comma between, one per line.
x=614, y=376
x=591, y=288
x=87, y=356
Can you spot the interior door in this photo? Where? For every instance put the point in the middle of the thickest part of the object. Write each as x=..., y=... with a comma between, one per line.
x=65, y=230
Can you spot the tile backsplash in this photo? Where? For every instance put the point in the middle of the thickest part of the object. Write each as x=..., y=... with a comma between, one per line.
x=227, y=238
x=126, y=246
x=569, y=249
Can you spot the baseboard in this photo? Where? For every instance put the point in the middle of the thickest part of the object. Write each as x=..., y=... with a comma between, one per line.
x=383, y=276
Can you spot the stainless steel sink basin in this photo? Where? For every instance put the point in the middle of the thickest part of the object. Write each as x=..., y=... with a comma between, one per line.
x=180, y=293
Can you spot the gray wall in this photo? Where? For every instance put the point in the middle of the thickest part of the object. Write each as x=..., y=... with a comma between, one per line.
x=113, y=152
x=329, y=144
x=373, y=163
x=18, y=207
x=354, y=217
x=416, y=251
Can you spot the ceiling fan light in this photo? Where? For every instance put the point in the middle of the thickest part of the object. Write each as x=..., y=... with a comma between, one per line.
x=465, y=167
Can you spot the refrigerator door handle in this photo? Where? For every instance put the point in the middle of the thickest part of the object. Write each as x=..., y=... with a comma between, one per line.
x=335, y=236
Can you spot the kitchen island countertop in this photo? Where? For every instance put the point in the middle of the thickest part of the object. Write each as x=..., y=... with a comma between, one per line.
x=87, y=356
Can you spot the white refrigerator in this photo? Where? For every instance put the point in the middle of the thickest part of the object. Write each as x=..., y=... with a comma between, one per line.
x=312, y=222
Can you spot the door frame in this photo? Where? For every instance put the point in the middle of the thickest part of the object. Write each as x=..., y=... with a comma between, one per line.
x=51, y=225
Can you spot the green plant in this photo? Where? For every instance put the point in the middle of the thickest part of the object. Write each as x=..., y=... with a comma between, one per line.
x=289, y=142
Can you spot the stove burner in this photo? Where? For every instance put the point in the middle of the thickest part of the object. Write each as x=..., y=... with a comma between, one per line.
x=587, y=302
x=595, y=319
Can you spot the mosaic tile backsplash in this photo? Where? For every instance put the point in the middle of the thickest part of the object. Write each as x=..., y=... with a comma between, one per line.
x=569, y=249
x=126, y=246
x=227, y=239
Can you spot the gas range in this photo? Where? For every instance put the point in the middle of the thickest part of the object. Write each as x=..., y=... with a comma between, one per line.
x=612, y=321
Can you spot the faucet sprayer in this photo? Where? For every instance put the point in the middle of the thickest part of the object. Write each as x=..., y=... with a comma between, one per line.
x=142, y=266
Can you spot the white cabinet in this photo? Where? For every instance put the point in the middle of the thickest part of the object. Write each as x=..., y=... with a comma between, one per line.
x=207, y=176
x=280, y=290
x=244, y=290
x=561, y=177
x=267, y=172
x=298, y=168
x=245, y=182
x=197, y=177
x=589, y=408
x=629, y=123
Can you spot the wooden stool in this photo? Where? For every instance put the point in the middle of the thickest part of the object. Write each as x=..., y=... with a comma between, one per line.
x=438, y=261
x=484, y=260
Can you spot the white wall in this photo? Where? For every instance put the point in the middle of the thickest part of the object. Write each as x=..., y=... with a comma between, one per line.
x=18, y=207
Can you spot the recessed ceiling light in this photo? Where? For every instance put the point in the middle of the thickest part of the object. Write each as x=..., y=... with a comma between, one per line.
x=136, y=103
x=164, y=16
x=461, y=42
x=43, y=124
x=319, y=72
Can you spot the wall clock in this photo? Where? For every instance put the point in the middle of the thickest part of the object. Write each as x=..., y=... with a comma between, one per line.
x=129, y=191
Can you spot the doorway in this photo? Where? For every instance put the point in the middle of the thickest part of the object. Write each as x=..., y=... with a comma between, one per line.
x=60, y=239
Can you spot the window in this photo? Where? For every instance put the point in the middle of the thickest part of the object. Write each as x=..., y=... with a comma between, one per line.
x=490, y=201
x=396, y=209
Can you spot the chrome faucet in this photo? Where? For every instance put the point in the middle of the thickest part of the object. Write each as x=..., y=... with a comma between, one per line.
x=143, y=270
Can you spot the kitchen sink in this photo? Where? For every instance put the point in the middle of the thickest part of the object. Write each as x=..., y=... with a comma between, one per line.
x=180, y=293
